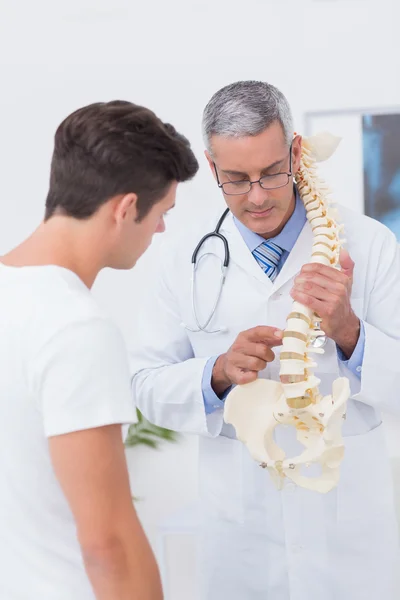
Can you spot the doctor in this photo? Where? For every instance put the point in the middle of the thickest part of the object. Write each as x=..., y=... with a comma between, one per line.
x=198, y=340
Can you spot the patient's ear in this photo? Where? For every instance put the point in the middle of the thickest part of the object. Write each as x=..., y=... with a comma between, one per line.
x=125, y=207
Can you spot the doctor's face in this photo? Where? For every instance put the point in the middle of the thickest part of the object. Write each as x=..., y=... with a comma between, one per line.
x=240, y=160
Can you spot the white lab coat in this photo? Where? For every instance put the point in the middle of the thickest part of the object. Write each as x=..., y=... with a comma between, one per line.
x=260, y=543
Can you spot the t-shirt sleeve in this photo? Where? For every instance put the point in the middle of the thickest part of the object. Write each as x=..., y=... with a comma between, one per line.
x=81, y=378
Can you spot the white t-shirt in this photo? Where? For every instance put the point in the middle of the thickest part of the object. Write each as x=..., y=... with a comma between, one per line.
x=64, y=368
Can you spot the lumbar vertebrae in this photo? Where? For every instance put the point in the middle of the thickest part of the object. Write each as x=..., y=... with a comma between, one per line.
x=256, y=409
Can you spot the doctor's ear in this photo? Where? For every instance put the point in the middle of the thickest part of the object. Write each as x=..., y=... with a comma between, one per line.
x=125, y=208
x=296, y=153
x=210, y=163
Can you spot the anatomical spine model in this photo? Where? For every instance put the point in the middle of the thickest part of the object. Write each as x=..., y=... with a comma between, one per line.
x=257, y=408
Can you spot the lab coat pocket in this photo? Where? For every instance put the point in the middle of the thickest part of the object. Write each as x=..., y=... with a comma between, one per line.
x=221, y=478
x=365, y=487
x=210, y=343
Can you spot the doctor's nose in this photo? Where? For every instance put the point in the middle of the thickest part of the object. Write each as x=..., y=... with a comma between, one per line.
x=257, y=195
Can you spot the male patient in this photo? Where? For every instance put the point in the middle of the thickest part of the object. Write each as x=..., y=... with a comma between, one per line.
x=68, y=527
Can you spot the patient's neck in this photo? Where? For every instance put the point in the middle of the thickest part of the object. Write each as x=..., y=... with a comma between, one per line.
x=61, y=241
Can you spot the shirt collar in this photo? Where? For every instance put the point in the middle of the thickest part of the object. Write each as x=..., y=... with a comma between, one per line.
x=286, y=239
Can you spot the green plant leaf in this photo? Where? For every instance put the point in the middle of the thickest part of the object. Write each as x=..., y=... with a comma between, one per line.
x=145, y=433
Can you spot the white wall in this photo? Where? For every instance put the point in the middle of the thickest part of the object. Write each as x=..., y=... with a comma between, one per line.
x=171, y=56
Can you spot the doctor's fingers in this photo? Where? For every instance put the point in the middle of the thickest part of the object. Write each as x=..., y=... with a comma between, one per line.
x=242, y=377
x=241, y=362
x=269, y=336
x=318, y=282
x=257, y=350
x=311, y=270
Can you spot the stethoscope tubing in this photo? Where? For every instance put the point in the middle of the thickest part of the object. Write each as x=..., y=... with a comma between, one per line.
x=319, y=341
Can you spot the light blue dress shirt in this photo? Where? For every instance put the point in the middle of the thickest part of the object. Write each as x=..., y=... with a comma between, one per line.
x=286, y=239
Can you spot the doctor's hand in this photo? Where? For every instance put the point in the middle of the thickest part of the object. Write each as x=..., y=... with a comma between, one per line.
x=327, y=292
x=249, y=354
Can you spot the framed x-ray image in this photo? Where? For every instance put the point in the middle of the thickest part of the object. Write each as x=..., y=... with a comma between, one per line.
x=364, y=172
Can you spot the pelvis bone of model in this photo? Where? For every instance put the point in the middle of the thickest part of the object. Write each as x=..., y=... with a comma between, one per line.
x=256, y=409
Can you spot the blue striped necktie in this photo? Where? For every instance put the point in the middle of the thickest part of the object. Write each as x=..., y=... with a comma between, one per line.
x=268, y=256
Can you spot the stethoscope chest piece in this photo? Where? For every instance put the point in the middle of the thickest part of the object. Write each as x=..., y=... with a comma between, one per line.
x=319, y=342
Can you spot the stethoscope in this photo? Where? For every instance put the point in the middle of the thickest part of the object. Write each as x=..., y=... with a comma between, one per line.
x=318, y=342
x=224, y=266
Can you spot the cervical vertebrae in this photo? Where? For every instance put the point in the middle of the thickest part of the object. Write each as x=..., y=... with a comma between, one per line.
x=256, y=409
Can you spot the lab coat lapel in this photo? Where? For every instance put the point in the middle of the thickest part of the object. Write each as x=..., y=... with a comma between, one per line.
x=299, y=256
x=240, y=253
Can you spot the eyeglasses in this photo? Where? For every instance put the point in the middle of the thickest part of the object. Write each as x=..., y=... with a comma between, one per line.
x=267, y=182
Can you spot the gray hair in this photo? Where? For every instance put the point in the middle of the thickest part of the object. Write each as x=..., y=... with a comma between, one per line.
x=246, y=108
